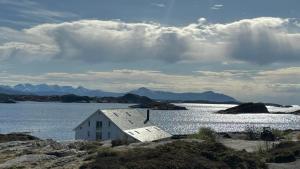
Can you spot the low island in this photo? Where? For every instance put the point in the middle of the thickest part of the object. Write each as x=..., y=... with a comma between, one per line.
x=254, y=108
x=159, y=106
x=246, y=108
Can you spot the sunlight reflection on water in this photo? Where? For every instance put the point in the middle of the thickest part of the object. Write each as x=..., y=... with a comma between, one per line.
x=56, y=120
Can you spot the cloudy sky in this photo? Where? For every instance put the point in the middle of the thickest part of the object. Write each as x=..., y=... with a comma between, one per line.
x=249, y=50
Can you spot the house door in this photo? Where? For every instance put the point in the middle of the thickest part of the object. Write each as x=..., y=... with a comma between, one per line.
x=98, y=135
x=98, y=130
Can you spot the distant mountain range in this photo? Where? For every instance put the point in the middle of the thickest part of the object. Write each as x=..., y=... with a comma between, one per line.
x=204, y=96
x=45, y=90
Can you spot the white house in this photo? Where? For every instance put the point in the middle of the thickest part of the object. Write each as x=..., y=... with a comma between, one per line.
x=115, y=124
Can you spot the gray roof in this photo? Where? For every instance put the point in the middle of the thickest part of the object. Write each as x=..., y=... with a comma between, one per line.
x=126, y=119
x=131, y=121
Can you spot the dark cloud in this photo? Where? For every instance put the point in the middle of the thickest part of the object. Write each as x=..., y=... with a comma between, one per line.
x=263, y=46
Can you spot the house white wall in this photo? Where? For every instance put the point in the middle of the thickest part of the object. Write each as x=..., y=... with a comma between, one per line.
x=87, y=130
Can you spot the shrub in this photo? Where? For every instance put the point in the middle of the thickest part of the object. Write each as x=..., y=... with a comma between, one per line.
x=279, y=134
x=284, y=152
x=119, y=142
x=91, y=146
x=206, y=134
x=282, y=157
x=252, y=133
x=106, y=152
x=298, y=137
x=233, y=160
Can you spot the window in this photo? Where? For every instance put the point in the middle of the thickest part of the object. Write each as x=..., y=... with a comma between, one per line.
x=130, y=122
x=131, y=133
x=116, y=114
x=98, y=135
x=109, y=124
x=148, y=130
x=88, y=133
x=89, y=123
x=108, y=135
x=156, y=128
x=137, y=132
x=98, y=125
x=128, y=114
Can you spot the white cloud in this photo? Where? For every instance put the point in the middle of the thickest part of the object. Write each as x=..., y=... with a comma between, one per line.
x=160, y=5
x=32, y=10
x=259, y=40
x=217, y=7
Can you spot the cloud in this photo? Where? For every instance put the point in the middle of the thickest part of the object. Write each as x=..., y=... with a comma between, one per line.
x=160, y=5
x=33, y=12
x=217, y=7
x=260, y=41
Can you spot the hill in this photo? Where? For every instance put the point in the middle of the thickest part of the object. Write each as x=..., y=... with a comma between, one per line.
x=204, y=96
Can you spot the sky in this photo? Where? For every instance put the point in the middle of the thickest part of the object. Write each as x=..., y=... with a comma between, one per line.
x=249, y=50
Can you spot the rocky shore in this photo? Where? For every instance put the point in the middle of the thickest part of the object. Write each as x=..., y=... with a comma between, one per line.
x=228, y=151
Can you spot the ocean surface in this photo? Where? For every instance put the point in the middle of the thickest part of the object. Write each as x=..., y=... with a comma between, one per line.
x=56, y=120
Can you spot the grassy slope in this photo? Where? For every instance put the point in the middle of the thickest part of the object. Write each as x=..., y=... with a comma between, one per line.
x=177, y=155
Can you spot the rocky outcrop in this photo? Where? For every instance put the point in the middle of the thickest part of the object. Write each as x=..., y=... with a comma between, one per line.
x=4, y=98
x=16, y=137
x=246, y=108
x=296, y=112
x=41, y=154
x=9, y=101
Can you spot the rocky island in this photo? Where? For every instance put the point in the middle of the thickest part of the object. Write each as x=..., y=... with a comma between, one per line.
x=252, y=108
x=296, y=112
x=246, y=108
x=5, y=99
x=159, y=106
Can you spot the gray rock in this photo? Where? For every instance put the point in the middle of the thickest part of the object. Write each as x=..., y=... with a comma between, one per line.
x=27, y=160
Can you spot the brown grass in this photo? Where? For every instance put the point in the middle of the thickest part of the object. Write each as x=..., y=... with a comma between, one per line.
x=179, y=155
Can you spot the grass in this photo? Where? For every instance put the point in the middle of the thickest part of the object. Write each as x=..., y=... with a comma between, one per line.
x=206, y=134
x=91, y=146
x=283, y=152
x=254, y=133
x=279, y=134
x=298, y=137
x=119, y=142
x=177, y=155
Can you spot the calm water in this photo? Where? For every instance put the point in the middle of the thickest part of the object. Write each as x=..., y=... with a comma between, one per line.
x=56, y=120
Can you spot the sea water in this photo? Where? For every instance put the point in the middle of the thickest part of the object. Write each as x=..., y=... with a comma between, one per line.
x=57, y=120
